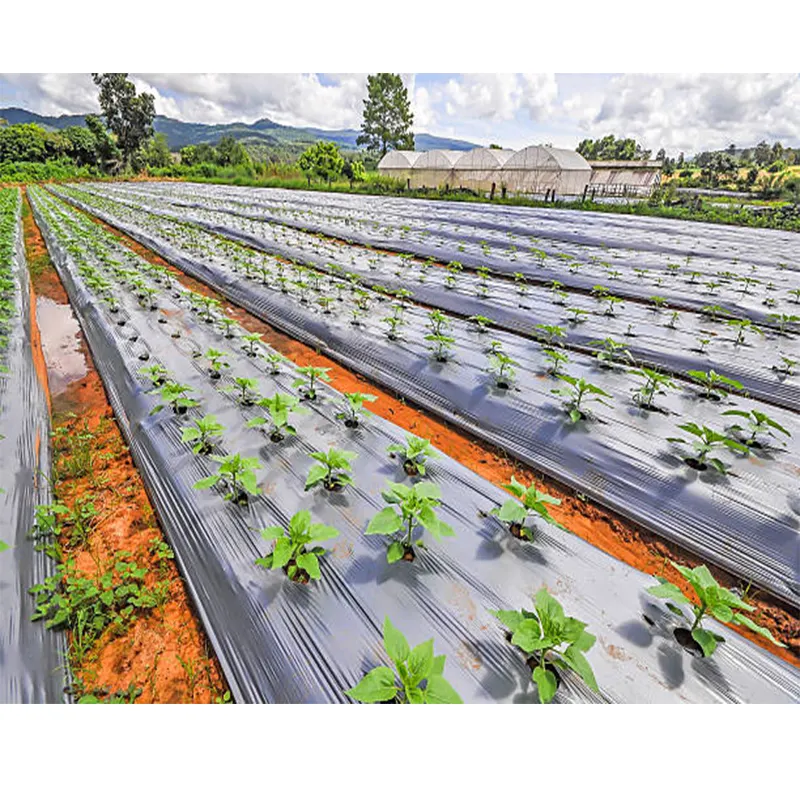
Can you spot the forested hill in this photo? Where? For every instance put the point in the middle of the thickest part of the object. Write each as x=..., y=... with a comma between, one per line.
x=264, y=132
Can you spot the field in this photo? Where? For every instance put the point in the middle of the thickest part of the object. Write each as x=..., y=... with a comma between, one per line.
x=221, y=366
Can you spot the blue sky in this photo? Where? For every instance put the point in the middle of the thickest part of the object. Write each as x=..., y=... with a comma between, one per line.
x=680, y=112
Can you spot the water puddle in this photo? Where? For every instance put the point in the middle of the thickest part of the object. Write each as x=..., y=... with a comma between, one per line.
x=61, y=344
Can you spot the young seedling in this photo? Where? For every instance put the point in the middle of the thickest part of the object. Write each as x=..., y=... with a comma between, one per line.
x=555, y=359
x=308, y=383
x=279, y=406
x=482, y=323
x=289, y=552
x=757, y=423
x=415, y=453
x=332, y=471
x=393, y=324
x=672, y=322
x=611, y=303
x=713, y=383
x=658, y=302
x=552, y=334
x=742, y=326
x=275, y=360
x=576, y=392
x=612, y=351
x=532, y=502
x=175, y=395
x=245, y=390
x=156, y=373
x=218, y=360
x=237, y=473
x=438, y=322
x=354, y=408
x=251, y=341
x=419, y=674
x=706, y=441
x=495, y=347
x=502, y=367
x=203, y=432
x=783, y=321
x=786, y=365
x=577, y=314
x=654, y=383
x=521, y=283
x=712, y=599
x=416, y=506
x=440, y=346
x=541, y=634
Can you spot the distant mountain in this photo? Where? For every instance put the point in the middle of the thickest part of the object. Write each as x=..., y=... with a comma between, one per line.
x=261, y=135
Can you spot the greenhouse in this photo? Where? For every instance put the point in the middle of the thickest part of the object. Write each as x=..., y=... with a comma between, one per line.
x=398, y=164
x=435, y=168
x=544, y=170
x=479, y=169
x=625, y=177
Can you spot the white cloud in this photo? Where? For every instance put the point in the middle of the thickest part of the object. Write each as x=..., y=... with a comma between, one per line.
x=694, y=112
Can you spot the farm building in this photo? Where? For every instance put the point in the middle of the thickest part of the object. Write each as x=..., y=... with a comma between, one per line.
x=398, y=163
x=625, y=178
x=539, y=170
x=478, y=169
x=533, y=170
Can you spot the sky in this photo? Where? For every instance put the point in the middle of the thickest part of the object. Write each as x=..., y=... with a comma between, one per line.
x=679, y=112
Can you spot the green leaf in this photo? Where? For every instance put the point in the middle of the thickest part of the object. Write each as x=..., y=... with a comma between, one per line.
x=578, y=662
x=250, y=482
x=428, y=490
x=546, y=684
x=395, y=643
x=667, y=591
x=299, y=523
x=706, y=640
x=440, y=692
x=282, y=552
x=310, y=563
x=748, y=623
x=511, y=619
x=376, y=686
x=511, y=511
x=437, y=666
x=420, y=661
x=384, y=522
x=207, y=483
x=320, y=533
x=722, y=612
x=315, y=475
x=272, y=533
x=3, y=546
x=395, y=552
x=528, y=636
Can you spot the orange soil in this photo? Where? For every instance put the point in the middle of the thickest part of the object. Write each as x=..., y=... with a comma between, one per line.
x=147, y=652
x=598, y=526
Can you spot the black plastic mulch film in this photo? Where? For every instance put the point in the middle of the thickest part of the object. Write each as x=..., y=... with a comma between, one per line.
x=282, y=642
x=649, y=340
x=747, y=523
x=32, y=665
x=630, y=242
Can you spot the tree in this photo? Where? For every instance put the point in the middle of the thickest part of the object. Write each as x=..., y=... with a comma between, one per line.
x=354, y=172
x=231, y=153
x=762, y=154
x=387, y=115
x=609, y=148
x=156, y=153
x=128, y=115
x=322, y=159
x=81, y=145
x=108, y=154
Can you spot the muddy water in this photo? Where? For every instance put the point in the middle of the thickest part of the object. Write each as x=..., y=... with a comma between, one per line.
x=61, y=344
